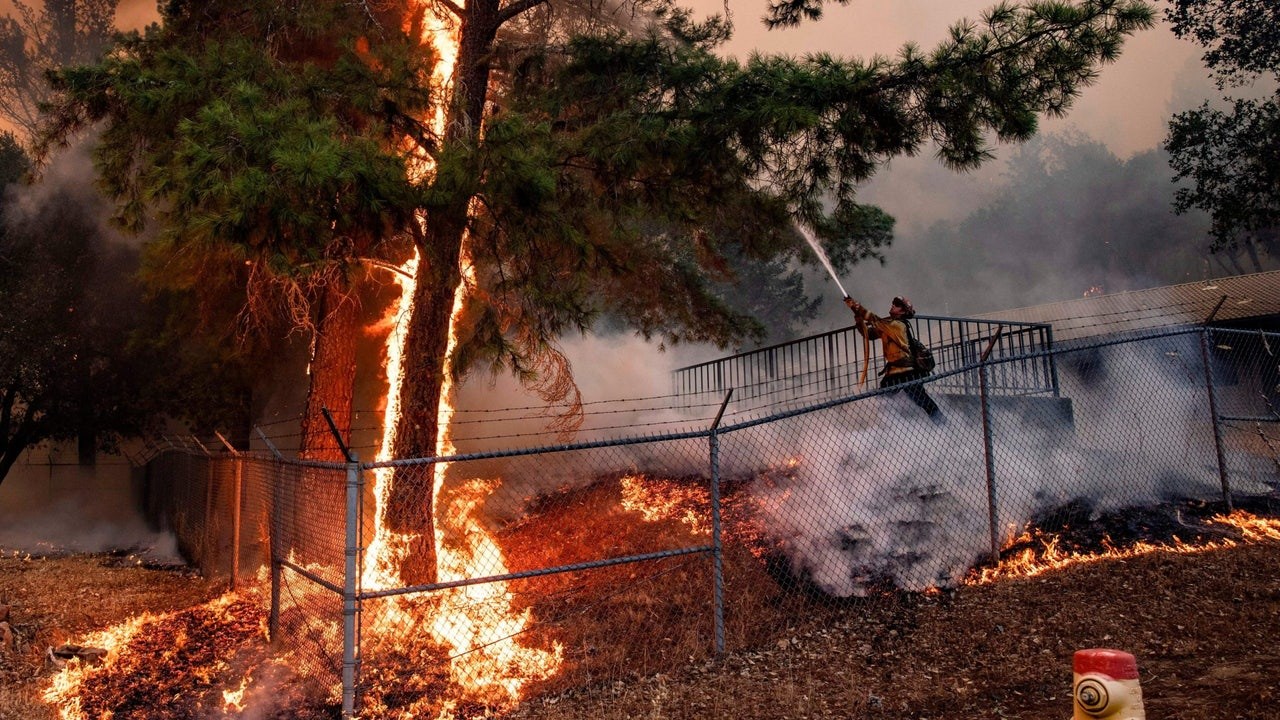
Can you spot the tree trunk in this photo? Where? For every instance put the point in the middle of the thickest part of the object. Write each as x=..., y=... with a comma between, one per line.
x=87, y=423
x=16, y=443
x=410, y=506
x=332, y=382
x=332, y=374
x=62, y=13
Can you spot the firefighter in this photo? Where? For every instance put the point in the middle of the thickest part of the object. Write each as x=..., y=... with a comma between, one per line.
x=895, y=338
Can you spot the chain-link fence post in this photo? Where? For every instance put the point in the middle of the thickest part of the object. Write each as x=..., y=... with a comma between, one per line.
x=351, y=590
x=717, y=544
x=277, y=540
x=237, y=491
x=1213, y=413
x=351, y=576
x=993, y=515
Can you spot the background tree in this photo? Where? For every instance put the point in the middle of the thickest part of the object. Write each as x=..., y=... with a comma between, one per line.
x=1232, y=157
x=37, y=39
x=73, y=366
x=263, y=136
x=1069, y=218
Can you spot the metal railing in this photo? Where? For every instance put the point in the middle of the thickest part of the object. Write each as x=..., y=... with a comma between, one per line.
x=833, y=362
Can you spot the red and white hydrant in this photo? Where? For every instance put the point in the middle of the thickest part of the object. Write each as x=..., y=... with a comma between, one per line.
x=1106, y=686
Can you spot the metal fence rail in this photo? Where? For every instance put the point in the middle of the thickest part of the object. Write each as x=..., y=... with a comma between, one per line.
x=831, y=364
x=578, y=565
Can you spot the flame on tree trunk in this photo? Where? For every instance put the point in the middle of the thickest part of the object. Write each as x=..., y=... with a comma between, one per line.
x=411, y=503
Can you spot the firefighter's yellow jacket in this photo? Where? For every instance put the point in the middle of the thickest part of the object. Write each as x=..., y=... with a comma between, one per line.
x=892, y=335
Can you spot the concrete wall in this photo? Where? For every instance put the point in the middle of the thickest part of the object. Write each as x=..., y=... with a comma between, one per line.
x=50, y=504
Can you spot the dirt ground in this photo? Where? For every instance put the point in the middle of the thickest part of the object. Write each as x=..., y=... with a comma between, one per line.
x=1203, y=627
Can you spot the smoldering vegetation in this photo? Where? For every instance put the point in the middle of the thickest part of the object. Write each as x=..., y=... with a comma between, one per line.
x=871, y=494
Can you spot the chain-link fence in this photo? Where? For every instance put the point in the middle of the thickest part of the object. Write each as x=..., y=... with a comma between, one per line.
x=575, y=567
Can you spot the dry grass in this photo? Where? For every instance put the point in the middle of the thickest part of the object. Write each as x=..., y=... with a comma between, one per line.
x=58, y=599
x=636, y=637
x=1202, y=626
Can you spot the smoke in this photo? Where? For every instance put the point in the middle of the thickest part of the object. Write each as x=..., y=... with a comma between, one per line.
x=626, y=390
x=73, y=509
x=625, y=385
x=888, y=506
x=47, y=504
x=873, y=493
x=64, y=199
x=881, y=495
x=263, y=695
x=1066, y=217
x=135, y=14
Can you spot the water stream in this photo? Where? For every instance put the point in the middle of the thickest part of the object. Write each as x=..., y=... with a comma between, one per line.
x=822, y=255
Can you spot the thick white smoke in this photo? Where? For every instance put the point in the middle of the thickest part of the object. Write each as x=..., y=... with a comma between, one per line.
x=626, y=390
x=883, y=495
x=873, y=492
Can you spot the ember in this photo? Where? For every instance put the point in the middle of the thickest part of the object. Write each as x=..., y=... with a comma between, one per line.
x=1037, y=551
x=660, y=499
x=200, y=662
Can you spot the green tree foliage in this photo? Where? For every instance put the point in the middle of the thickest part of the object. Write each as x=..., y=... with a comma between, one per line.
x=37, y=39
x=248, y=137
x=263, y=135
x=1232, y=157
x=637, y=164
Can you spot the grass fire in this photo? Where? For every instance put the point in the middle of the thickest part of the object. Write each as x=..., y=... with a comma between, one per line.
x=215, y=659
x=475, y=359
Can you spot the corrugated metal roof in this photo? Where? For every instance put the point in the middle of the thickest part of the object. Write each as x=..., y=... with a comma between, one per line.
x=1253, y=295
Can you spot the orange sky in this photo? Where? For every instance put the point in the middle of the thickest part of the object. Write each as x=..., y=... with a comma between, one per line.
x=131, y=14
x=1128, y=109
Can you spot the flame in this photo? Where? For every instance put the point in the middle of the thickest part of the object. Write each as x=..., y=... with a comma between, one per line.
x=233, y=700
x=64, y=689
x=387, y=549
x=1252, y=527
x=63, y=692
x=476, y=622
x=1032, y=562
x=660, y=500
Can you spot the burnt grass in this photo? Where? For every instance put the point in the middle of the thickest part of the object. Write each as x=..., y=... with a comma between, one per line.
x=1201, y=624
x=637, y=638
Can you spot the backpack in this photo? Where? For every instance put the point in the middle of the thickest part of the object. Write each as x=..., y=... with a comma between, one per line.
x=921, y=356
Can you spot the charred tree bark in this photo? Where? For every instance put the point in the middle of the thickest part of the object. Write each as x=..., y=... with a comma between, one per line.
x=410, y=507
x=333, y=374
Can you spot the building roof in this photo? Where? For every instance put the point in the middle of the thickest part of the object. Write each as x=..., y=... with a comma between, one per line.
x=1246, y=296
